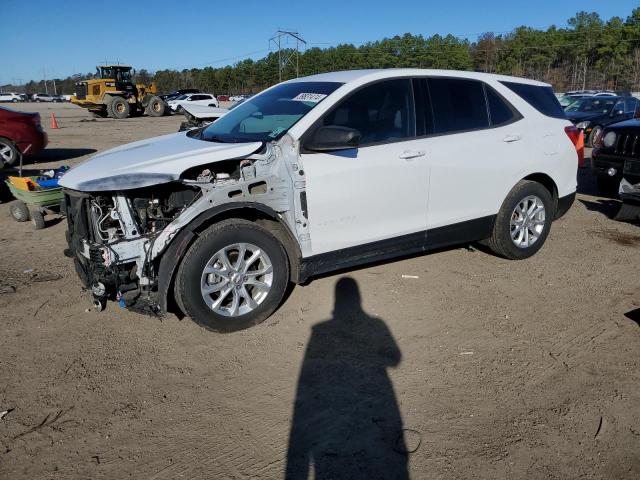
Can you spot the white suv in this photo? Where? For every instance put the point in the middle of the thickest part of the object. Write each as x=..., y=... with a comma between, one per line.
x=10, y=97
x=318, y=174
x=205, y=99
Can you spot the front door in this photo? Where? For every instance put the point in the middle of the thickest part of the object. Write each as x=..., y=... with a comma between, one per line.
x=377, y=191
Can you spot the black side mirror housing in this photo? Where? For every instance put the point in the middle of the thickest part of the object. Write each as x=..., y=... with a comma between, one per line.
x=333, y=137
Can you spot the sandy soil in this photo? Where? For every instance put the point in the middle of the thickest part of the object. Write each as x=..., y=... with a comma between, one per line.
x=491, y=368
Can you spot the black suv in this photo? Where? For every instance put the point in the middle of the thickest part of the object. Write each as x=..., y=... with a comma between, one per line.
x=592, y=114
x=616, y=145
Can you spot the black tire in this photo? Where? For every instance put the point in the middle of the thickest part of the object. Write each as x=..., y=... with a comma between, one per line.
x=156, y=107
x=118, y=108
x=228, y=232
x=500, y=241
x=10, y=154
x=19, y=211
x=593, y=135
x=608, y=186
x=14, y=100
x=38, y=220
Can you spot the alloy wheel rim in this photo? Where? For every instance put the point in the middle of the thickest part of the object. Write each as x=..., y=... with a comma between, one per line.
x=6, y=153
x=527, y=221
x=236, y=279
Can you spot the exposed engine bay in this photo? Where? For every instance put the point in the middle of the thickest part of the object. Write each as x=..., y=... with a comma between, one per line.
x=117, y=237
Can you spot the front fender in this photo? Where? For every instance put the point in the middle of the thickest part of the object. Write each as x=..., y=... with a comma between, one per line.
x=173, y=254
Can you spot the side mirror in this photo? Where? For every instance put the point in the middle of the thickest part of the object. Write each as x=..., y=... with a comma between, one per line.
x=617, y=113
x=333, y=137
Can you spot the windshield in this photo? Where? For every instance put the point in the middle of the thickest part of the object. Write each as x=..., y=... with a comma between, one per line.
x=181, y=97
x=268, y=116
x=593, y=105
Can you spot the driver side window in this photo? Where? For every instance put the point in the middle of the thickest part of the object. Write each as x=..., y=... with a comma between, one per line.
x=382, y=112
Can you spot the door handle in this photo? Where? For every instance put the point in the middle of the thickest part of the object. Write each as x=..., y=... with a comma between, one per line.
x=512, y=138
x=409, y=154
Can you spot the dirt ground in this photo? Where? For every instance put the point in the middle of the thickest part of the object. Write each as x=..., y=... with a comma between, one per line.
x=481, y=367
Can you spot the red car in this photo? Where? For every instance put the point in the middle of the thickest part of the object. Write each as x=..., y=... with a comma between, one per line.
x=21, y=133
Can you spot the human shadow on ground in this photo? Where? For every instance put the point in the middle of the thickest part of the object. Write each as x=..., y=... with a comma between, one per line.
x=634, y=315
x=346, y=421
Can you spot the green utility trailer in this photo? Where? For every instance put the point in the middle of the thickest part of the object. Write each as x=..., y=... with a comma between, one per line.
x=33, y=204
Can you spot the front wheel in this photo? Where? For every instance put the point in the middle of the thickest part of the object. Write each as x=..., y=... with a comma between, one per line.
x=233, y=276
x=156, y=107
x=523, y=222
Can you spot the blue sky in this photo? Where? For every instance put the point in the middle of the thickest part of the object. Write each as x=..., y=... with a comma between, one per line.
x=69, y=37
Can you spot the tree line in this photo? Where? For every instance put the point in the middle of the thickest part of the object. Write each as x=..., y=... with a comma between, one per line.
x=588, y=53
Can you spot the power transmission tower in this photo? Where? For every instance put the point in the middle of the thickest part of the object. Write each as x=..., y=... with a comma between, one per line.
x=287, y=56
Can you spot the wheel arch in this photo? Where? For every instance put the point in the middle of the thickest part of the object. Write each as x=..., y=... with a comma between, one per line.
x=547, y=182
x=255, y=212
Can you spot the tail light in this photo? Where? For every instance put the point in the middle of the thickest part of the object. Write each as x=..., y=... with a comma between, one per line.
x=577, y=138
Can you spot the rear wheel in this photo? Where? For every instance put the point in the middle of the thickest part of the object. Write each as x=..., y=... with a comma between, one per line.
x=9, y=153
x=523, y=222
x=118, y=108
x=233, y=276
x=156, y=107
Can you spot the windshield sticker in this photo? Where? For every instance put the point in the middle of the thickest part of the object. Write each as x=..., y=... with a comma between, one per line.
x=309, y=97
x=276, y=132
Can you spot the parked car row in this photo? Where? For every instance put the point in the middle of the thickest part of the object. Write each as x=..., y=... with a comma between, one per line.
x=167, y=97
x=592, y=114
x=35, y=97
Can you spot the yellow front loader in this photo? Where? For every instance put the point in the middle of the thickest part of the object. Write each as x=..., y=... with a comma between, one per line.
x=115, y=95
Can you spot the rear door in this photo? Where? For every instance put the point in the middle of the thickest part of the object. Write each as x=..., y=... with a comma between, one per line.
x=475, y=151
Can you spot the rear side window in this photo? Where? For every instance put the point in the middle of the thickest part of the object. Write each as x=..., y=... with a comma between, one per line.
x=500, y=112
x=541, y=98
x=458, y=105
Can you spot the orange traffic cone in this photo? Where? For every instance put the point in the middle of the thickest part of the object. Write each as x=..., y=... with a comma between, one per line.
x=54, y=122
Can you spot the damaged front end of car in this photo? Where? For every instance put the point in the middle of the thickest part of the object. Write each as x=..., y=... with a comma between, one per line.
x=120, y=227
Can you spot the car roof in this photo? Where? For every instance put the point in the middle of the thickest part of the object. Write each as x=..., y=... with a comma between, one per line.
x=347, y=76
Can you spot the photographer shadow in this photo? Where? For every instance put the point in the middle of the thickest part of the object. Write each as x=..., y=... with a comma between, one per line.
x=346, y=421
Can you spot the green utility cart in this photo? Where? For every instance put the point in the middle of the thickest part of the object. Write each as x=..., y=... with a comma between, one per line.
x=33, y=204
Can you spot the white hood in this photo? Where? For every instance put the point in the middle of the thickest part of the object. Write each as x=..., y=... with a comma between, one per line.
x=150, y=162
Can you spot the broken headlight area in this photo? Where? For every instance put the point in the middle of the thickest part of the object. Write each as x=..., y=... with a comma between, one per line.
x=111, y=237
x=116, y=237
